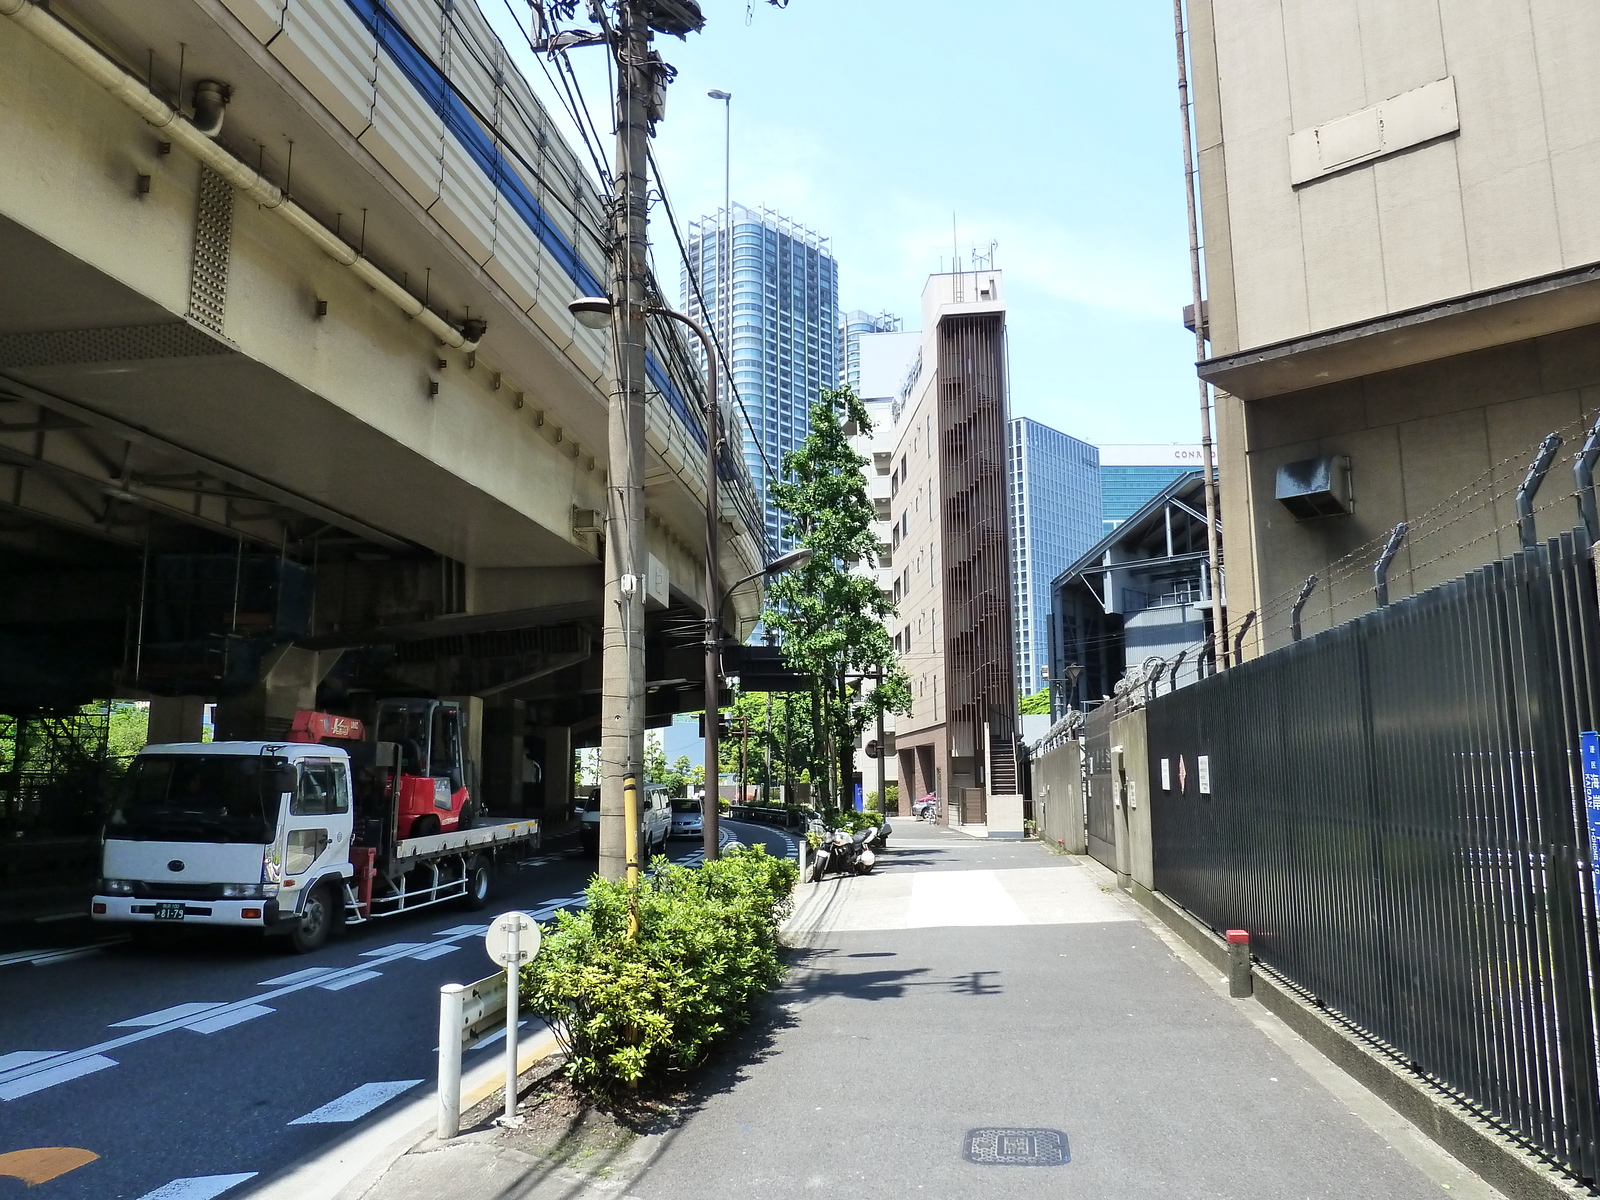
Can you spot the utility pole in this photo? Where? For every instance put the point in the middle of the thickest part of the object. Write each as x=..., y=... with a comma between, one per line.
x=622, y=662
x=883, y=786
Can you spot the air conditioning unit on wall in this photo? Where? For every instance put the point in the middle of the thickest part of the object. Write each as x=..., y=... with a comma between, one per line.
x=1316, y=487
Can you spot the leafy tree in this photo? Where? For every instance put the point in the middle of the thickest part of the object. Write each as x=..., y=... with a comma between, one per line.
x=776, y=761
x=1035, y=704
x=831, y=621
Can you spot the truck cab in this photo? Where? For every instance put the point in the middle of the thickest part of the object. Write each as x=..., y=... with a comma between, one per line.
x=253, y=834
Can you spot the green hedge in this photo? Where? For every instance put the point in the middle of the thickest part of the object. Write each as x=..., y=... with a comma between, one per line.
x=632, y=1011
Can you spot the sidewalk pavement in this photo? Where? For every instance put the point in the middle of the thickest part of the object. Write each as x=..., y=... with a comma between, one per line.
x=969, y=986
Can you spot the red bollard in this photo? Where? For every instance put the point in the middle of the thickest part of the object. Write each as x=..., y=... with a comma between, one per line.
x=1240, y=984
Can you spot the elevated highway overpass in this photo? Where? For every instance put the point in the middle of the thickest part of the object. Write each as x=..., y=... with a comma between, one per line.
x=292, y=409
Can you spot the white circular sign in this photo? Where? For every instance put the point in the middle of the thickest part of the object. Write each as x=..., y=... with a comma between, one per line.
x=497, y=941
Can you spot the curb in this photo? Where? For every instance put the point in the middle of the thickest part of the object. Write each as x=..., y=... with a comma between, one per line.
x=1477, y=1145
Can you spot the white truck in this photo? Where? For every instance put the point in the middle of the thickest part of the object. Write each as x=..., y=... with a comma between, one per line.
x=291, y=838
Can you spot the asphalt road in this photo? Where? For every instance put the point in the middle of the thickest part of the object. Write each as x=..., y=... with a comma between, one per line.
x=193, y=1070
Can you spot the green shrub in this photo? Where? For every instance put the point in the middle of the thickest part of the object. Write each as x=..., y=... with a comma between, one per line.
x=630, y=1011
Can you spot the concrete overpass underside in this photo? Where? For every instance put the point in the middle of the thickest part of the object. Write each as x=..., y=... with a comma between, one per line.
x=234, y=470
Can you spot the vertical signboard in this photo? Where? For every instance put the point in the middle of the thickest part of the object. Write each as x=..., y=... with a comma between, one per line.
x=1589, y=752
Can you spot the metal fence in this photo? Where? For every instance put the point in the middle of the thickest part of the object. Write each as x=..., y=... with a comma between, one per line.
x=1394, y=809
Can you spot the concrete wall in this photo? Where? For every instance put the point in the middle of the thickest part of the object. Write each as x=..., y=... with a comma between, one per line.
x=1507, y=196
x=1442, y=446
x=1058, y=798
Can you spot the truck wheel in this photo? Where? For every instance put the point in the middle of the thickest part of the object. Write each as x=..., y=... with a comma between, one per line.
x=479, y=877
x=316, y=921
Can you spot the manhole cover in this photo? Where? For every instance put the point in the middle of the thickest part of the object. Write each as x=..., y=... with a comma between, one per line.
x=1017, y=1148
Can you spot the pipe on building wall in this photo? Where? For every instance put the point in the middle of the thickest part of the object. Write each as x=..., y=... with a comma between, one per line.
x=1540, y=467
x=1380, y=571
x=244, y=178
x=1219, y=615
x=1583, y=474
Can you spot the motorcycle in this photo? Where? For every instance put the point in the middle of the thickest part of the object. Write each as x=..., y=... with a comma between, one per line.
x=843, y=854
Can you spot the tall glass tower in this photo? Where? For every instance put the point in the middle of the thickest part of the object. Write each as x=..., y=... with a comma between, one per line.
x=1055, y=518
x=771, y=291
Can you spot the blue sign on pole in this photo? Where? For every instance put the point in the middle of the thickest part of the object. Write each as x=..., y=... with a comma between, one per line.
x=1589, y=743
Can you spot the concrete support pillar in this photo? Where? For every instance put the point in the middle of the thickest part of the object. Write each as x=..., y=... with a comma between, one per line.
x=471, y=739
x=288, y=684
x=176, y=719
x=504, y=724
x=557, y=767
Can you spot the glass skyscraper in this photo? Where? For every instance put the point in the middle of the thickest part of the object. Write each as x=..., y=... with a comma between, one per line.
x=1131, y=474
x=775, y=307
x=1055, y=518
x=852, y=325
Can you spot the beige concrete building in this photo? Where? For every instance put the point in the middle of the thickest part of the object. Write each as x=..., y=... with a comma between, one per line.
x=1402, y=262
x=949, y=550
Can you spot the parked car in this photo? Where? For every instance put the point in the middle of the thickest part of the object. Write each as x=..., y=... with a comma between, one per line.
x=655, y=821
x=688, y=818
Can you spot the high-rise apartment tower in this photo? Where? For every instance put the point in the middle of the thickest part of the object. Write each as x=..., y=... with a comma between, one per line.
x=853, y=326
x=771, y=291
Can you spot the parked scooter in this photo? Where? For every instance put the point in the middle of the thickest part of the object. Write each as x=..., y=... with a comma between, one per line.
x=844, y=855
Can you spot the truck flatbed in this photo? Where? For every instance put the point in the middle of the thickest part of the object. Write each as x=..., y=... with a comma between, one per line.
x=460, y=841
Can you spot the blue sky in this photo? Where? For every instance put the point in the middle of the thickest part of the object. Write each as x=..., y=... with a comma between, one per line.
x=1051, y=128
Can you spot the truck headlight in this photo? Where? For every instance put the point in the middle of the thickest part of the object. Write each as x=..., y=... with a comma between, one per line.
x=116, y=887
x=249, y=891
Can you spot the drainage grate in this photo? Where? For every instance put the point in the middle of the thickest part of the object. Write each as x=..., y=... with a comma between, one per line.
x=1017, y=1148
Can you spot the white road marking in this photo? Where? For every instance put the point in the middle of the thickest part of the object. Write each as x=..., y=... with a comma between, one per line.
x=299, y=976
x=229, y=1018
x=42, y=957
x=19, y=1058
x=199, y=1187
x=462, y=931
x=37, y=1081
x=174, y=1013
x=401, y=948
x=437, y=950
x=339, y=983
x=356, y=1103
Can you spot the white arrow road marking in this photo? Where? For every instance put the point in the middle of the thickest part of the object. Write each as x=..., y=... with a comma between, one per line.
x=168, y=1014
x=300, y=976
x=37, y=1081
x=397, y=948
x=199, y=1187
x=437, y=950
x=228, y=1019
x=342, y=981
x=356, y=1103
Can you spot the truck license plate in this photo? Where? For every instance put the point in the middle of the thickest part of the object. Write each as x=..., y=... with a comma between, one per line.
x=170, y=911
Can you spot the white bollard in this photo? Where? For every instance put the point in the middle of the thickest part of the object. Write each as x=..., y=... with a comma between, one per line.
x=450, y=1013
x=513, y=980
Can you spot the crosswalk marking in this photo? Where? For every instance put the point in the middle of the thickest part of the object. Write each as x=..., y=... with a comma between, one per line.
x=18, y=1058
x=198, y=1187
x=396, y=948
x=437, y=950
x=341, y=982
x=176, y=1012
x=230, y=1018
x=299, y=976
x=39, y=1080
x=461, y=931
x=356, y=1103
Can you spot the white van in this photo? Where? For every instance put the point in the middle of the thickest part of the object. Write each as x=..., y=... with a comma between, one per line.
x=655, y=821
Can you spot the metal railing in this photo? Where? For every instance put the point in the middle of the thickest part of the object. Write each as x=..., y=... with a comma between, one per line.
x=1394, y=809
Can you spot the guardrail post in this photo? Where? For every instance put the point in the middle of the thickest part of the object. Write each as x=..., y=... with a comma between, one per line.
x=450, y=1014
x=1240, y=983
